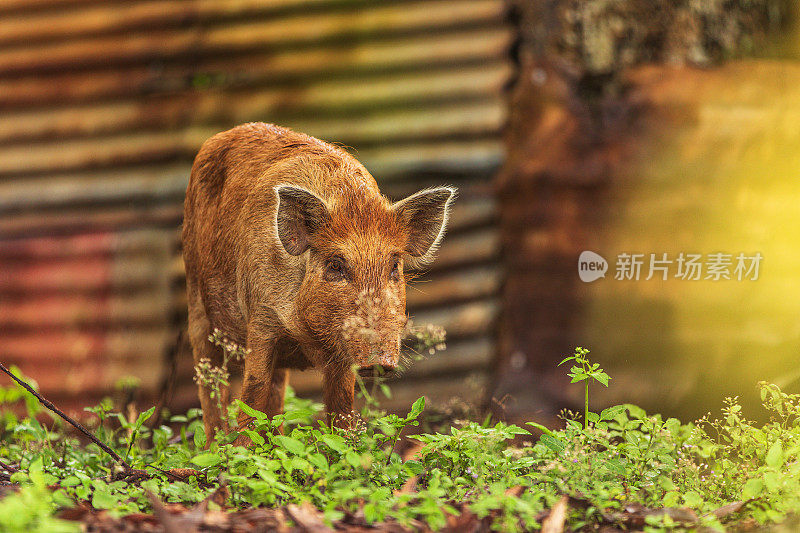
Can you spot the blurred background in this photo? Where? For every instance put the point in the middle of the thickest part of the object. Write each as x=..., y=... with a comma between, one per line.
x=616, y=126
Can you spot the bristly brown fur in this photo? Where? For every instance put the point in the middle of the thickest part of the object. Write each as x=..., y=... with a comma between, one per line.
x=292, y=251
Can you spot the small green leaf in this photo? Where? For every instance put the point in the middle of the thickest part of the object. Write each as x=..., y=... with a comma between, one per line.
x=673, y=425
x=692, y=499
x=602, y=378
x=36, y=472
x=70, y=481
x=151, y=485
x=772, y=481
x=752, y=489
x=199, y=437
x=290, y=444
x=611, y=413
x=122, y=420
x=541, y=428
x=205, y=460
x=671, y=499
x=667, y=484
x=415, y=467
x=635, y=410
x=20, y=477
x=416, y=409
x=774, y=456
x=144, y=417
x=103, y=499
x=249, y=411
x=62, y=499
x=255, y=436
x=553, y=443
x=298, y=463
x=386, y=390
x=318, y=460
x=353, y=459
x=335, y=442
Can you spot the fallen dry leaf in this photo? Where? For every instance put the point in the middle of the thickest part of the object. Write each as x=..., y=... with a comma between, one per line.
x=308, y=518
x=409, y=486
x=729, y=509
x=554, y=523
x=514, y=491
x=182, y=474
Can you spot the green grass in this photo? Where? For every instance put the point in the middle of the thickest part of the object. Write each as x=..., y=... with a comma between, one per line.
x=608, y=464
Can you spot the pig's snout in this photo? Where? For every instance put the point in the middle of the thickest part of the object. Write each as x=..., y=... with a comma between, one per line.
x=375, y=371
x=378, y=365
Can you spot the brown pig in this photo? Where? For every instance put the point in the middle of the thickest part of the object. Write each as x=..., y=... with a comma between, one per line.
x=292, y=251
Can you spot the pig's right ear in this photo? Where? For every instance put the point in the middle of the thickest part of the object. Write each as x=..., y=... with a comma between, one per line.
x=425, y=215
x=300, y=214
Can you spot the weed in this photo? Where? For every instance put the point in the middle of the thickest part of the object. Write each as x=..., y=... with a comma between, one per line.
x=584, y=371
x=620, y=467
x=216, y=377
x=428, y=338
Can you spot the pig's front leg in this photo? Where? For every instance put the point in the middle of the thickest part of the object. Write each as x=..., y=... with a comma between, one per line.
x=262, y=384
x=338, y=389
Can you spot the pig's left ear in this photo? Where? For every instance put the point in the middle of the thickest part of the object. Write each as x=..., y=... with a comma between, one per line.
x=425, y=216
x=299, y=216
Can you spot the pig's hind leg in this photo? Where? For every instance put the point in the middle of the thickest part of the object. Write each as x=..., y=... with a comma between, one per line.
x=274, y=406
x=202, y=348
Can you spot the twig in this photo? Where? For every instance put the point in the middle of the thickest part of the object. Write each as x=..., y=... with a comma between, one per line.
x=47, y=403
x=8, y=468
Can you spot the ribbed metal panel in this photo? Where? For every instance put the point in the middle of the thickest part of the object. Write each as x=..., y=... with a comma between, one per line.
x=103, y=105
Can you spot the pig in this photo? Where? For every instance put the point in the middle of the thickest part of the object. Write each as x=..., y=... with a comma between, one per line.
x=291, y=250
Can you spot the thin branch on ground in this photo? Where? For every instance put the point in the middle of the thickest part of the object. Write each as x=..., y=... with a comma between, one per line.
x=8, y=468
x=77, y=425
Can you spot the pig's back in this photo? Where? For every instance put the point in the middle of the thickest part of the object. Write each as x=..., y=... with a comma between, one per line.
x=251, y=159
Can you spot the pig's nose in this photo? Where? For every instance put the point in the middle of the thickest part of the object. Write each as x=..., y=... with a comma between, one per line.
x=374, y=371
x=379, y=364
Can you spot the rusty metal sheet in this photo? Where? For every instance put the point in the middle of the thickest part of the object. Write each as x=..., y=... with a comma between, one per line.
x=106, y=103
x=247, y=34
x=263, y=69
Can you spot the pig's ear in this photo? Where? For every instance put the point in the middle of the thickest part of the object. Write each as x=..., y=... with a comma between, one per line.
x=300, y=214
x=425, y=216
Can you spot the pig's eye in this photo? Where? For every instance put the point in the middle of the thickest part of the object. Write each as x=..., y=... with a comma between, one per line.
x=395, y=275
x=334, y=269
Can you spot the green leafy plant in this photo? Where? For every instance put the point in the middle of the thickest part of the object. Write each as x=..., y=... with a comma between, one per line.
x=621, y=467
x=585, y=371
x=32, y=507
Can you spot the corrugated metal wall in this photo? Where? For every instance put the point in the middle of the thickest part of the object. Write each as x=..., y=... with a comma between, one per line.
x=103, y=105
